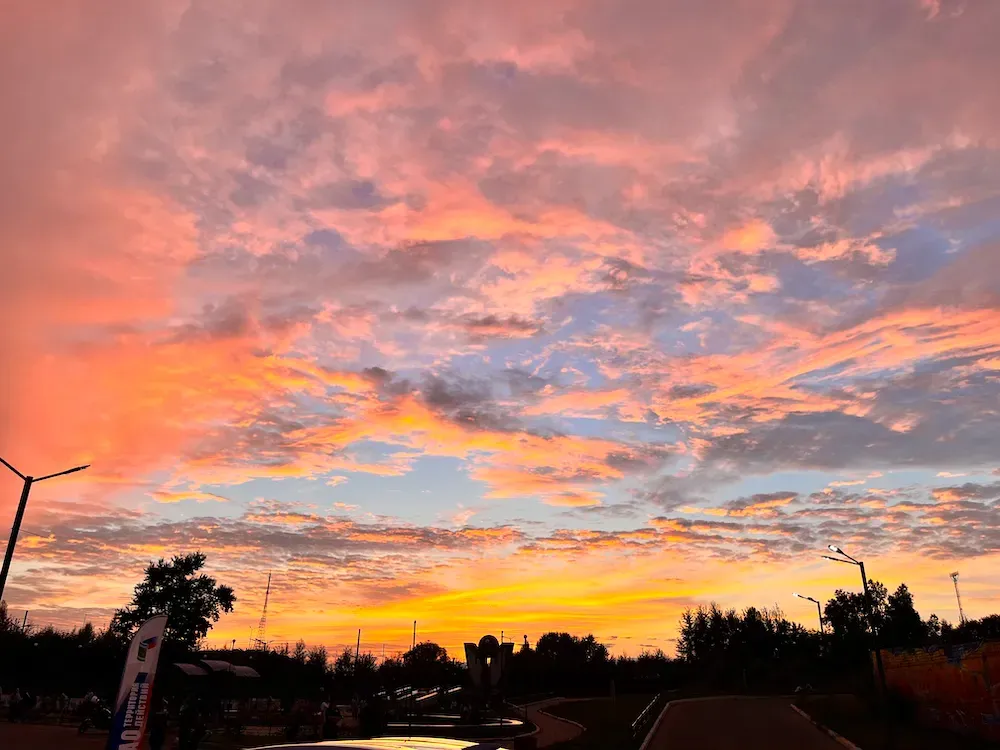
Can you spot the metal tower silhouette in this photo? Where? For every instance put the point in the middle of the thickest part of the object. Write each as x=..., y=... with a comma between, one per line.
x=259, y=642
x=961, y=614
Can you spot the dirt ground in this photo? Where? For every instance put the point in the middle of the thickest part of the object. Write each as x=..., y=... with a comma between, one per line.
x=52, y=737
x=48, y=737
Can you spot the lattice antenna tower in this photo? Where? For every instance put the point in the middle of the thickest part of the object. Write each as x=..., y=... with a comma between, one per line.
x=961, y=614
x=260, y=642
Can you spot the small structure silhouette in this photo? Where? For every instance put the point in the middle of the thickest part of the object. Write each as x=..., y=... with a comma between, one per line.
x=486, y=661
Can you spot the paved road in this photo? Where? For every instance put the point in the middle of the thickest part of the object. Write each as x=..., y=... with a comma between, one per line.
x=551, y=729
x=744, y=723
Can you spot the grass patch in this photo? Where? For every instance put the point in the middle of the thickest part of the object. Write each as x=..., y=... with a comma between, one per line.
x=608, y=724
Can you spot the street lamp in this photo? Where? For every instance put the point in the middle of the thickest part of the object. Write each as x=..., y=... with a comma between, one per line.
x=846, y=558
x=818, y=609
x=28, y=481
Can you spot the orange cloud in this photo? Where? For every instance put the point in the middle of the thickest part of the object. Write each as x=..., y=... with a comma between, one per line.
x=575, y=499
x=211, y=270
x=753, y=237
x=164, y=496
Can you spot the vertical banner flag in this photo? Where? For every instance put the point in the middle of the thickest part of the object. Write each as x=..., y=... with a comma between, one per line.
x=128, y=725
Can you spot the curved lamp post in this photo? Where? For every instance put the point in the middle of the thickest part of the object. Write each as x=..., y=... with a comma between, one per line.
x=819, y=609
x=28, y=481
x=846, y=558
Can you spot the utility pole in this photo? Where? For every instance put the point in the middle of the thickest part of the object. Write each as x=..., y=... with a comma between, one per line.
x=414, y=636
x=961, y=614
x=870, y=611
x=871, y=620
x=28, y=481
x=357, y=653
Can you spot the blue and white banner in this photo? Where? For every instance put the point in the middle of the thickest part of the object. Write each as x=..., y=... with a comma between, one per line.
x=128, y=726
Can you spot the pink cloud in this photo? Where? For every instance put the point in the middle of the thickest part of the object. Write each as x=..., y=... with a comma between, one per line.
x=239, y=241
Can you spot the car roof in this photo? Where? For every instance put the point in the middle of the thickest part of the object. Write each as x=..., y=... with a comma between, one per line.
x=387, y=743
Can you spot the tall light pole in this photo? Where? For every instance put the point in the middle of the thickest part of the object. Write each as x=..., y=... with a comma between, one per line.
x=846, y=558
x=961, y=614
x=28, y=481
x=819, y=609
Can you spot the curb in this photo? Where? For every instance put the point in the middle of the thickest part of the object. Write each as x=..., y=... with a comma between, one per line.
x=552, y=702
x=560, y=718
x=559, y=701
x=836, y=737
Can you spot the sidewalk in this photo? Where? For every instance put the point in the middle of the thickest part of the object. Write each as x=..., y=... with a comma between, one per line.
x=551, y=729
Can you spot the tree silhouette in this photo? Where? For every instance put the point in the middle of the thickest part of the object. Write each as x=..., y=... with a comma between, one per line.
x=7, y=623
x=426, y=652
x=847, y=614
x=755, y=648
x=300, y=652
x=316, y=663
x=971, y=630
x=361, y=673
x=903, y=626
x=427, y=665
x=343, y=667
x=191, y=602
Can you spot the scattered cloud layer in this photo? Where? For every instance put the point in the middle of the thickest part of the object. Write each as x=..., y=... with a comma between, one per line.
x=321, y=285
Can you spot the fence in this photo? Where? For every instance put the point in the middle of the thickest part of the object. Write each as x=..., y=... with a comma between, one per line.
x=954, y=687
x=644, y=721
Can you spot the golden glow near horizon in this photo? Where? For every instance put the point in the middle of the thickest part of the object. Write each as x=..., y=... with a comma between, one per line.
x=501, y=317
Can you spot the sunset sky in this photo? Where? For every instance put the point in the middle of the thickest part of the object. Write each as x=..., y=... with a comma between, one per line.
x=519, y=315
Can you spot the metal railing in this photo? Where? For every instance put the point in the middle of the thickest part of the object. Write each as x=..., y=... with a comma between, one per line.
x=646, y=716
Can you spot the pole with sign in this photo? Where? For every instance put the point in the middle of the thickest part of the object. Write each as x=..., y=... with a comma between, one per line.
x=128, y=726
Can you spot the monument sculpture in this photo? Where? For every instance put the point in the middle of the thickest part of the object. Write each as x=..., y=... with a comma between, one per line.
x=486, y=661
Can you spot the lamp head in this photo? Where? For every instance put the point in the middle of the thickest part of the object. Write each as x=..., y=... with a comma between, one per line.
x=835, y=548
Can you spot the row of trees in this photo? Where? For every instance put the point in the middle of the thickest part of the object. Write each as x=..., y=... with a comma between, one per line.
x=896, y=620
x=761, y=649
x=49, y=661
x=52, y=661
x=752, y=649
x=559, y=662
